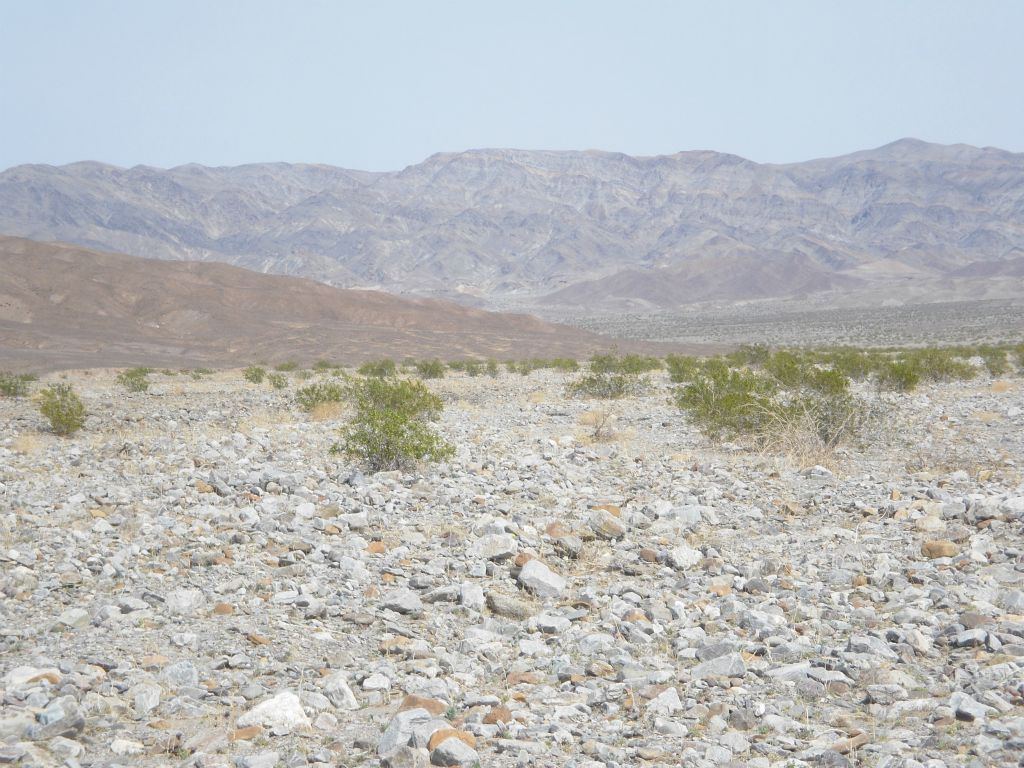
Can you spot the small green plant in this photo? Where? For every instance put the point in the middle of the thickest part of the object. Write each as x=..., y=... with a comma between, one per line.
x=287, y=366
x=325, y=365
x=430, y=369
x=722, y=401
x=379, y=368
x=15, y=384
x=898, y=376
x=200, y=373
x=390, y=429
x=255, y=374
x=277, y=380
x=62, y=408
x=682, y=368
x=135, y=379
x=605, y=386
x=318, y=393
x=627, y=364
x=491, y=368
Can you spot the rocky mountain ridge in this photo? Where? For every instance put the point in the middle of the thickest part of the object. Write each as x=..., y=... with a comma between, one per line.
x=593, y=230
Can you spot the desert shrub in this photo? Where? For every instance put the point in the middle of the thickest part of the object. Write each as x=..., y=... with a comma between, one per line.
x=379, y=368
x=277, y=380
x=325, y=365
x=390, y=429
x=318, y=393
x=62, y=408
x=627, y=364
x=856, y=364
x=491, y=368
x=749, y=354
x=469, y=366
x=200, y=373
x=430, y=369
x=525, y=367
x=605, y=386
x=255, y=374
x=938, y=365
x=898, y=376
x=994, y=359
x=15, y=384
x=135, y=379
x=409, y=398
x=682, y=368
x=724, y=401
x=287, y=366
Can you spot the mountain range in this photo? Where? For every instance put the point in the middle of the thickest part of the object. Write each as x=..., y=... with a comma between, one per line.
x=555, y=231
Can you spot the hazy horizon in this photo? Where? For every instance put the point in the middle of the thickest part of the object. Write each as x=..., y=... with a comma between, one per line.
x=382, y=87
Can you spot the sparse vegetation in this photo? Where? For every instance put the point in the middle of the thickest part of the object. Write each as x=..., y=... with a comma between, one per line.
x=430, y=369
x=15, y=384
x=318, y=393
x=255, y=374
x=390, y=429
x=379, y=368
x=605, y=385
x=287, y=366
x=525, y=367
x=627, y=364
x=135, y=379
x=62, y=408
x=277, y=380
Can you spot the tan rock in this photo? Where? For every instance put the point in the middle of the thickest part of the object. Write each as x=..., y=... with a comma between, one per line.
x=939, y=548
x=433, y=706
x=498, y=714
x=451, y=733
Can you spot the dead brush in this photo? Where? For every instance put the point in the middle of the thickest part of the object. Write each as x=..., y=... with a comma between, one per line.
x=601, y=423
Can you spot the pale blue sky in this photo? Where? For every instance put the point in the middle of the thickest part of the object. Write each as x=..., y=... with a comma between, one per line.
x=381, y=85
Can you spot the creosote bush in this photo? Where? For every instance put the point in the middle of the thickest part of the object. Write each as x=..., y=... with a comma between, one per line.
x=277, y=380
x=605, y=385
x=430, y=369
x=318, y=393
x=390, y=429
x=135, y=379
x=379, y=368
x=62, y=408
x=287, y=366
x=627, y=364
x=15, y=384
x=255, y=374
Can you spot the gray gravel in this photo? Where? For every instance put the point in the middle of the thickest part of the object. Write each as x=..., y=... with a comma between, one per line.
x=195, y=580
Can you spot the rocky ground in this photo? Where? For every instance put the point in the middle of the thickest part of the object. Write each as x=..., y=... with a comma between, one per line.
x=195, y=580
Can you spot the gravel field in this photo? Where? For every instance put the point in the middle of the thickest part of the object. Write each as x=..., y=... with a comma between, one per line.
x=195, y=580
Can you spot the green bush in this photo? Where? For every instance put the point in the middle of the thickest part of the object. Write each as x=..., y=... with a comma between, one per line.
x=62, y=408
x=722, y=401
x=430, y=369
x=325, y=365
x=525, y=367
x=287, y=366
x=15, y=384
x=379, y=368
x=898, y=376
x=409, y=398
x=277, y=380
x=938, y=365
x=390, y=429
x=491, y=368
x=319, y=392
x=682, y=368
x=255, y=374
x=627, y=364
x=200, y=373
x=135, y=379
x=605, y=385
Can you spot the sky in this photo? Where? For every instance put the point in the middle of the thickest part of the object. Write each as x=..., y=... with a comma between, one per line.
x=382, y=84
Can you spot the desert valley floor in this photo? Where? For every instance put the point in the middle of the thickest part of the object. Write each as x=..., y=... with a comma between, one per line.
x=195, y=580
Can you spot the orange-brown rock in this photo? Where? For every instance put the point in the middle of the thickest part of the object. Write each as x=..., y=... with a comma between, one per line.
x=451, y=733
x=498, y=714
x=433, y=706
x=939, y=548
